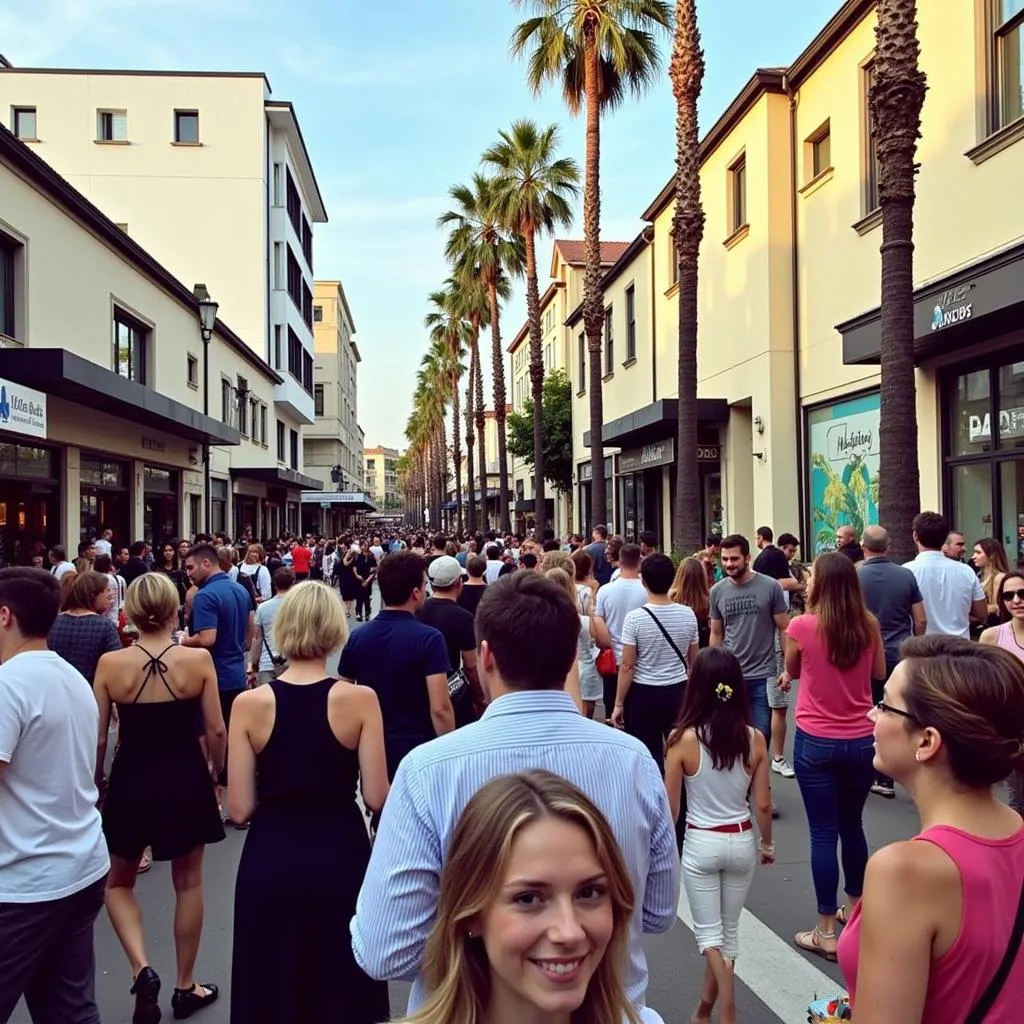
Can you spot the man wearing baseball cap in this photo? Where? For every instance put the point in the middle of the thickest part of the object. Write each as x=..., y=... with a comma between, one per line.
x=455, y=624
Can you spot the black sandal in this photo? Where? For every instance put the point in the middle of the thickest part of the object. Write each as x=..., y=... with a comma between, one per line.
x=146, y=989
x=186, y=1001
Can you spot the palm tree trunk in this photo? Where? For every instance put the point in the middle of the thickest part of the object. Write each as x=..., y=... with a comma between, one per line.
x=478, y=387
x=457, y=456
x=536, y=381
x=498, y=372
x=687, y=74
x=593, y=306
x=470, y=383
x=897, y=97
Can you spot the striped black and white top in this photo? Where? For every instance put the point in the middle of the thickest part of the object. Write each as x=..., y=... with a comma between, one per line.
x=656, y=663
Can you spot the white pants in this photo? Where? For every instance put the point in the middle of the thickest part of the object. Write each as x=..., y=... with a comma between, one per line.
x=718, y=868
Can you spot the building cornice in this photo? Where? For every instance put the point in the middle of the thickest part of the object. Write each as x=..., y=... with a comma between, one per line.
x=294, y=131
x=8, y=68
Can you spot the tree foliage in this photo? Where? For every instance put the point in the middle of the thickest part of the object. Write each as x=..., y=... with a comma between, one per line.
x=556, y=410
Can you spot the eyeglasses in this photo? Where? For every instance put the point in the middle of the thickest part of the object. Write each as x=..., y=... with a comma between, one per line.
x=889, y=709
x=1009, y=595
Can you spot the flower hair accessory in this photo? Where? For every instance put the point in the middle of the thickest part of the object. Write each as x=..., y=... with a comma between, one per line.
x=723, y=692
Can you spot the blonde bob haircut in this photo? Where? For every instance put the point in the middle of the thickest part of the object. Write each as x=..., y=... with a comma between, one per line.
x=455, y=967
x=310, y=622
x=558, y=560
x=564, y=580
x=151, y=601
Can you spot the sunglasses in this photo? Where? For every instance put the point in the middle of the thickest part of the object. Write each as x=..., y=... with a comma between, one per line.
x=1009, y=595
x=890, y=710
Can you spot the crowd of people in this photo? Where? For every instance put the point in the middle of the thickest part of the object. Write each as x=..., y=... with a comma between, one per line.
x=511, y=771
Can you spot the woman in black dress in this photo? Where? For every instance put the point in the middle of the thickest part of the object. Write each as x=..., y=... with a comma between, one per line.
x=160, y=793
x=309, y=738
x=351, y=588
x=366, y=572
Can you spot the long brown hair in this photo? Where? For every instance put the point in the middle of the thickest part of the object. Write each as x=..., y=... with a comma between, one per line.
x=690, y=587
x=455, y=967
x=836, y=599
x=83, y=589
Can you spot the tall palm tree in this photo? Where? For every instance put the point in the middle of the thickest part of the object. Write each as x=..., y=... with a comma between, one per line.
x=449, y=328
x=897, y=96
x=479, y=241
x=533, y=192
x=598, y=50
x=686, y=70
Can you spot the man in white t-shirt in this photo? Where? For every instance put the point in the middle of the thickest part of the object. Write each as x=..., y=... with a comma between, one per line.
x=262, y=664
x=615, y=601
x=103, y=543
x=53, y=858
x=952, y=594
x=494, y=563
x=59, y=564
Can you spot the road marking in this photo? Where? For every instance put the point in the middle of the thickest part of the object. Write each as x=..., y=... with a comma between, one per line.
x=771, y=968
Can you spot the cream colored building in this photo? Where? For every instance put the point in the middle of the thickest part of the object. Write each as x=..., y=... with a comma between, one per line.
x=380, y=469
x=209, y=174
x=103, y=416
x=789, y=288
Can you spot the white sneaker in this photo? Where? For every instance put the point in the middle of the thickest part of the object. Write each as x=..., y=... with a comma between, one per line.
x=782, y=767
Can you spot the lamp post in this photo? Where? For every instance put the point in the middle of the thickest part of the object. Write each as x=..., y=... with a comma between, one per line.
x=207, y=322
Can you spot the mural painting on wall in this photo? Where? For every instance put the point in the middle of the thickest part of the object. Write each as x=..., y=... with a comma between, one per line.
x=843, y=456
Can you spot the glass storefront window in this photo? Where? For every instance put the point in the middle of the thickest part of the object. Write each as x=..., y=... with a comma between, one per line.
x=161, y=481
x=970, y=415
x=1012, y=481
x=35, y=462
x=972, y=499
x=8, y=459
x=1010, y=393
x=101, y=473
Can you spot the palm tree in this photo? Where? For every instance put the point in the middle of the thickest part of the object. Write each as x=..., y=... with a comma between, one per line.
x=533, y=191
x=598, y=50
x=480, y=242
x=687, y=73
x=897, y=96
x=448, y=328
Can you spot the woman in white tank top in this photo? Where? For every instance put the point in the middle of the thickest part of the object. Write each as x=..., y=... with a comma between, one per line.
x=721, y=758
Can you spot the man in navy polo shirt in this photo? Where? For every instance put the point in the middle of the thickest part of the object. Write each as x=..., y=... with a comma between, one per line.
x=222, y=622
x=404, y=661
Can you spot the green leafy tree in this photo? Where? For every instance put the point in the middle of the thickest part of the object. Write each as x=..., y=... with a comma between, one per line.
x=556, y=431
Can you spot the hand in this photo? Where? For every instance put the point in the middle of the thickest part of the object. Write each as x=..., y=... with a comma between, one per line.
x=767, y=851
x=767, y=858
x=785, y=682
x=250, y=677
x=617, y=717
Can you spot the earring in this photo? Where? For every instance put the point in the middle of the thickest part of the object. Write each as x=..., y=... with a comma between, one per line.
x=917, y=757
x=470, y=935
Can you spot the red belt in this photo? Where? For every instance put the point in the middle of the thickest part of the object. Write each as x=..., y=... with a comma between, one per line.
x=742, y=826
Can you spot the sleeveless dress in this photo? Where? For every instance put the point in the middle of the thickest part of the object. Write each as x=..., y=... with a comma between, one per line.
x=299, y=875
x=160, y=793
x=1015, y=783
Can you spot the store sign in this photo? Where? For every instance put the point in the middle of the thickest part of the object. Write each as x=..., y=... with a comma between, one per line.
x=22, y=410
x=708, y=453
x=1011, y=424
x=327, y=498
x=952, y=307
x=153, y=445
x=661, y=453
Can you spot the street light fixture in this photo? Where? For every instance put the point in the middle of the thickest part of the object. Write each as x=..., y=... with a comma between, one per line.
x=207, y=315
x=207, y=322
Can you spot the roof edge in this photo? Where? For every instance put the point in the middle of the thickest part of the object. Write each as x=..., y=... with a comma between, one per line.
x=525, y=329
x=289, y=107
x=7, y=66
x=614, y=271
x=838, y=27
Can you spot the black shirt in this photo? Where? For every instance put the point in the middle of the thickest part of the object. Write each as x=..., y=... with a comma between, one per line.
x=455, y=625
x=853, y=551
x=890, y=591
x=470, y=598
x=772, y=562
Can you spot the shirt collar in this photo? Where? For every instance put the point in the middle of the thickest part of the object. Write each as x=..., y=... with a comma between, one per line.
x=526, y=701
x=932, y=554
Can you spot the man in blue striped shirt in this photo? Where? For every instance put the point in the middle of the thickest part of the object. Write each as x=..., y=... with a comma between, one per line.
x=527, y=631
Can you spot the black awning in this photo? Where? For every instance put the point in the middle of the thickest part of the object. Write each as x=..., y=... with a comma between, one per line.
x=278, y=476
x=657, y=421
x=65, y=375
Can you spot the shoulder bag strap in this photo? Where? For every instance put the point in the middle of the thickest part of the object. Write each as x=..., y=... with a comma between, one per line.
x=664, y=633
x=991, y=994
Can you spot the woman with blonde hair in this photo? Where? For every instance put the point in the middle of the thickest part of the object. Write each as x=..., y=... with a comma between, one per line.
x=499, y=950
x=82, y=633
x=253, y=566
x=309, y=739
x=160, y=792
x=572, y=680
x=690, y=587
x=558, y=560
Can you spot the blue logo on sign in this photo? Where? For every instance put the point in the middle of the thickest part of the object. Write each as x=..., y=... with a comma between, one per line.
x=937, y=319
x=5, y=406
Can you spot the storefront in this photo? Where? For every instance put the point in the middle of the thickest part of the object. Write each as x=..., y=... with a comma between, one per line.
x=333, y=513
x=104, y=496
x=584, y=474
x=267, y=500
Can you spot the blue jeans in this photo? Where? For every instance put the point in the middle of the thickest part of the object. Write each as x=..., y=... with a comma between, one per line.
x=835, y=778
x=760, y=712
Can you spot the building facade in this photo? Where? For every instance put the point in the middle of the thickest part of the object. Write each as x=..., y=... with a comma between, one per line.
x=380, y=469
x=111, y=398
x=211, y=175
x=789, y=330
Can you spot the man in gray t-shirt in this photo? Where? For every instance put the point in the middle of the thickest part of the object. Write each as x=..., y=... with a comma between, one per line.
x=746, y=611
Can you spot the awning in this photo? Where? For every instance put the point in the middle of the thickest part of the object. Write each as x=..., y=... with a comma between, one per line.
x=65, y=375
x=277, y=476
x=354, y=501
x=528, y=505
x=977, y=302
x=657, y=421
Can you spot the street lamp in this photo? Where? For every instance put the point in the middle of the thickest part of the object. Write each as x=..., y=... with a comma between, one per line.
x=207, y=322
x=207, y=315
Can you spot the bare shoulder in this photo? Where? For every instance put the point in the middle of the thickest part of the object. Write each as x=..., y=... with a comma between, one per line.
x=911, y=870
x=990, y=636
x=360, y=699
x=254, y=701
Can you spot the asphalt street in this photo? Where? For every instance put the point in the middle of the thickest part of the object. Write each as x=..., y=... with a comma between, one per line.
x=776, y=981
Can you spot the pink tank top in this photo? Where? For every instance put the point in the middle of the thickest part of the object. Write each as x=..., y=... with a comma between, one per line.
x=992, y=871
x=1006, y=640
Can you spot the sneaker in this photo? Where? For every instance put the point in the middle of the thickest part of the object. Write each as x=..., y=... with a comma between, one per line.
x=883, y=790
x=782, y=767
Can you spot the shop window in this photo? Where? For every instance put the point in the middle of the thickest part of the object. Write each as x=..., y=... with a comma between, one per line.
x=609, y=342
x=10, y=253
x=111, y=125
x=871, y=200
x=186, y=127
x=630, y=323
x=192, y=370
x=1008, y=61
x=972, y=499
x=23, y=123
x=970, y=417
x=1011, y=488
x=1010, y=402
x=131, y=340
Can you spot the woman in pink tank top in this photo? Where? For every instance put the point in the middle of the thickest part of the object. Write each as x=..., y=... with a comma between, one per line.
x=934, y=925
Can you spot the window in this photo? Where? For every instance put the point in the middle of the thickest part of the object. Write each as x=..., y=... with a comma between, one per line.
x=673, y=259
x=318, y=399
x=243, y=406
x=277, y=347
x=226, y=410
x=23, y=123
x=609, y=342
x=186, y=127
x=819, y=151
x=738, y=195
x=293, y=441
x=8, y=255
x=871, y=201
x=307, y=305
x=111, y=125
x=294, y=280
x=293, y=203
x=307, y=373
x=130, y=340
x=294, y=355
x=218, y=504
x=254, y=420
x=279, y=272
x=583, y=361
x=307, y=243
x=263, y=425
x=630, y=323
x=192, y=371
x=1008, y=61
x=278, y=197
x=318, y=314
x=280, y=441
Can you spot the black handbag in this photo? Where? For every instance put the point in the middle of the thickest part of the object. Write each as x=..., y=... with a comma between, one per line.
x=995, y=986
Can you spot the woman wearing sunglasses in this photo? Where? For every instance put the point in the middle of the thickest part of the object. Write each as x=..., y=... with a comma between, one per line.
x=932, y=938
x=1009, y=635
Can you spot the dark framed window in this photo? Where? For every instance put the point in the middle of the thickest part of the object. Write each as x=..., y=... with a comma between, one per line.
x=278, y=365
x=820, y=151
x=23, y=123
x=263, y=425
x=609, y=342
x=307, y=305
x=630, y=323
x=280, y=441
x=318, y=399
x=112, y=125
x=192, y=370
x=226, y=411
x=582, y=342
x=8, y=300
x=218, y=504
x=307, y=243
x=293, y=445
x=254, y=420
x=295, y=280
x=307, y=373
x=738, y=194
x=293, y=202
x=673, y=259
x=295, y=354
x=186, y=127
x=242, y=394
x=318, y=314
x=1008, y=61
x=131, y=340
x=871, y=200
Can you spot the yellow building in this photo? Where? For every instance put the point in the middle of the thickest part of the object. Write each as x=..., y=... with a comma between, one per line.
x=381, y=478
x=789, y=328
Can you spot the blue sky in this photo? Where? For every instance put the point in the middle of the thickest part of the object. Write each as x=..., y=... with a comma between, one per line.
x=397, y=101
